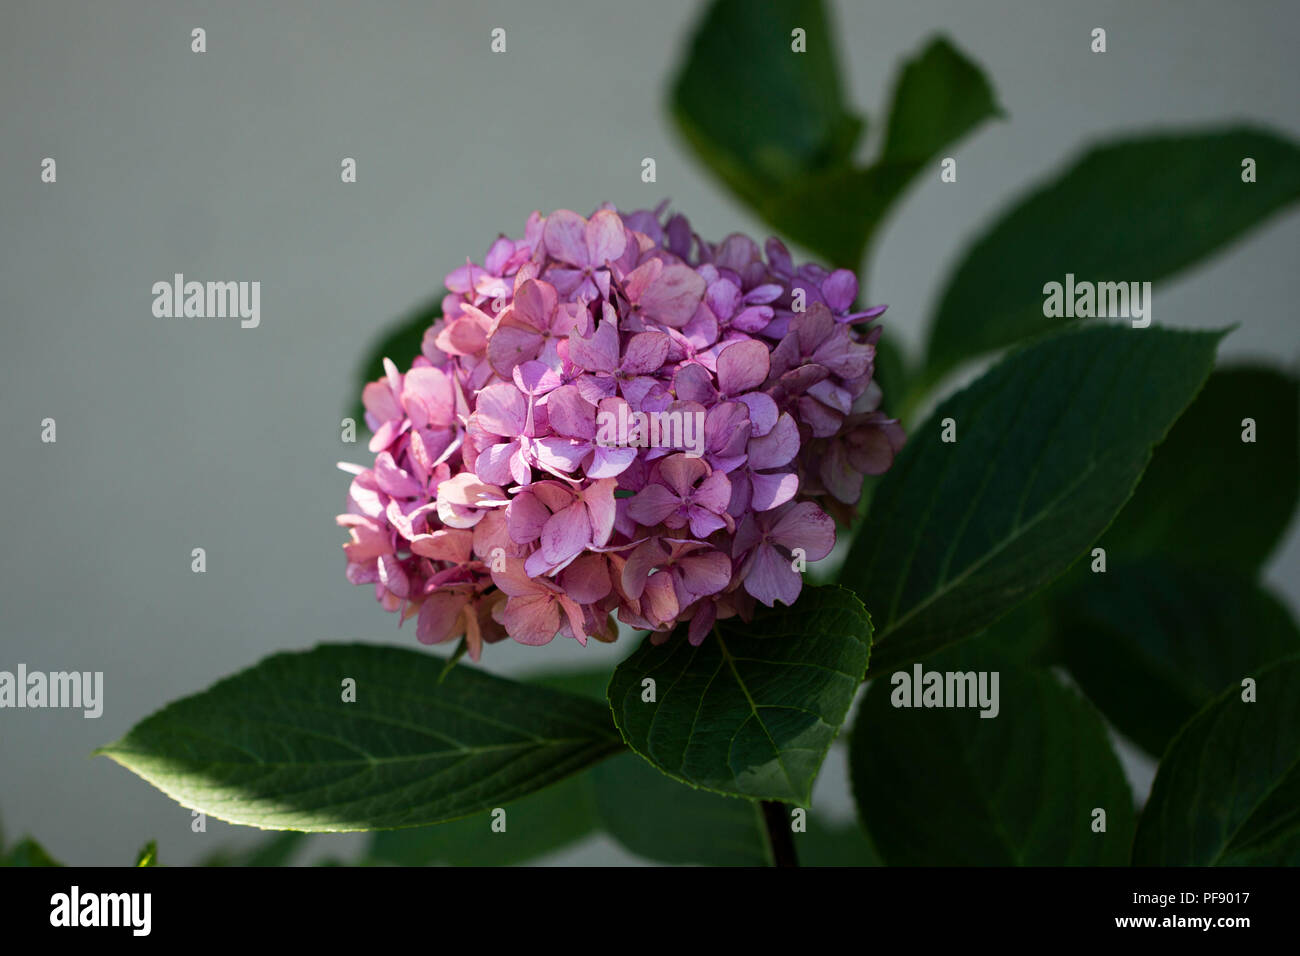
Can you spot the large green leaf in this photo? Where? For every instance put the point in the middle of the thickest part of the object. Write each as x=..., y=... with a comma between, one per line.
x=752, y=711
x=540, y=823
x=1228, y=789
x=1209, y=498
x=945, y=786
x=759, y=114
x=276, y=747
x=1050, y=444
x=1136, y=209
x=1179, y=634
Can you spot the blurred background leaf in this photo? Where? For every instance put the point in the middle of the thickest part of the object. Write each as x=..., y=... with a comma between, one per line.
x=27, y=852
x=1151, y=643
x=1140, y=208
x=761, y=116
x=775, y=126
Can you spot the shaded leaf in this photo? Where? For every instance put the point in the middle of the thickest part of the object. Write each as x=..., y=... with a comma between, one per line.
x=1228, y=789
x=842, y=844
x=1178, y=634
x=659, y=818
x=945, y=786
x=1209, y=498
x=540, y=823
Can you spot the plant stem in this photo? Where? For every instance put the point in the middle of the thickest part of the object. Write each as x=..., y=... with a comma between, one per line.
x=779, y=837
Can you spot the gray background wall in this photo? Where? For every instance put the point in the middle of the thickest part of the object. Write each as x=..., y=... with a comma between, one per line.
x=175, y=434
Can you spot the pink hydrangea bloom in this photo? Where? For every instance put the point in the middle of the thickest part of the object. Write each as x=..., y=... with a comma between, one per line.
x=500, y=503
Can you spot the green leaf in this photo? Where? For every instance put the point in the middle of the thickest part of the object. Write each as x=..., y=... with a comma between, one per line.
x=1208, y=497
x=276, y=747
x=148, y=855
x=775, y=126
x=656, y=817
x=1050, y=444
x=1028, y=633
x=759, y=114
x=945, y=786
x=540, y=823
x=400, y=342
x=834, y=213
x=752, y=711
x=1179, y=634
x=940, y=97
x=1136, y=210
x=1228, y=789
x=27, y=852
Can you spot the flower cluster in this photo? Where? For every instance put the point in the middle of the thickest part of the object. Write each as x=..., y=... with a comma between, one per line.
x=499, y=503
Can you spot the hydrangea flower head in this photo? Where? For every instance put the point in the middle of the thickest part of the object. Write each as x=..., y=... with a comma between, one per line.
x=615, y=420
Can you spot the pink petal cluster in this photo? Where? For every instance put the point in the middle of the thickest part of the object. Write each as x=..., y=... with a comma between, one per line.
x=494, y=507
